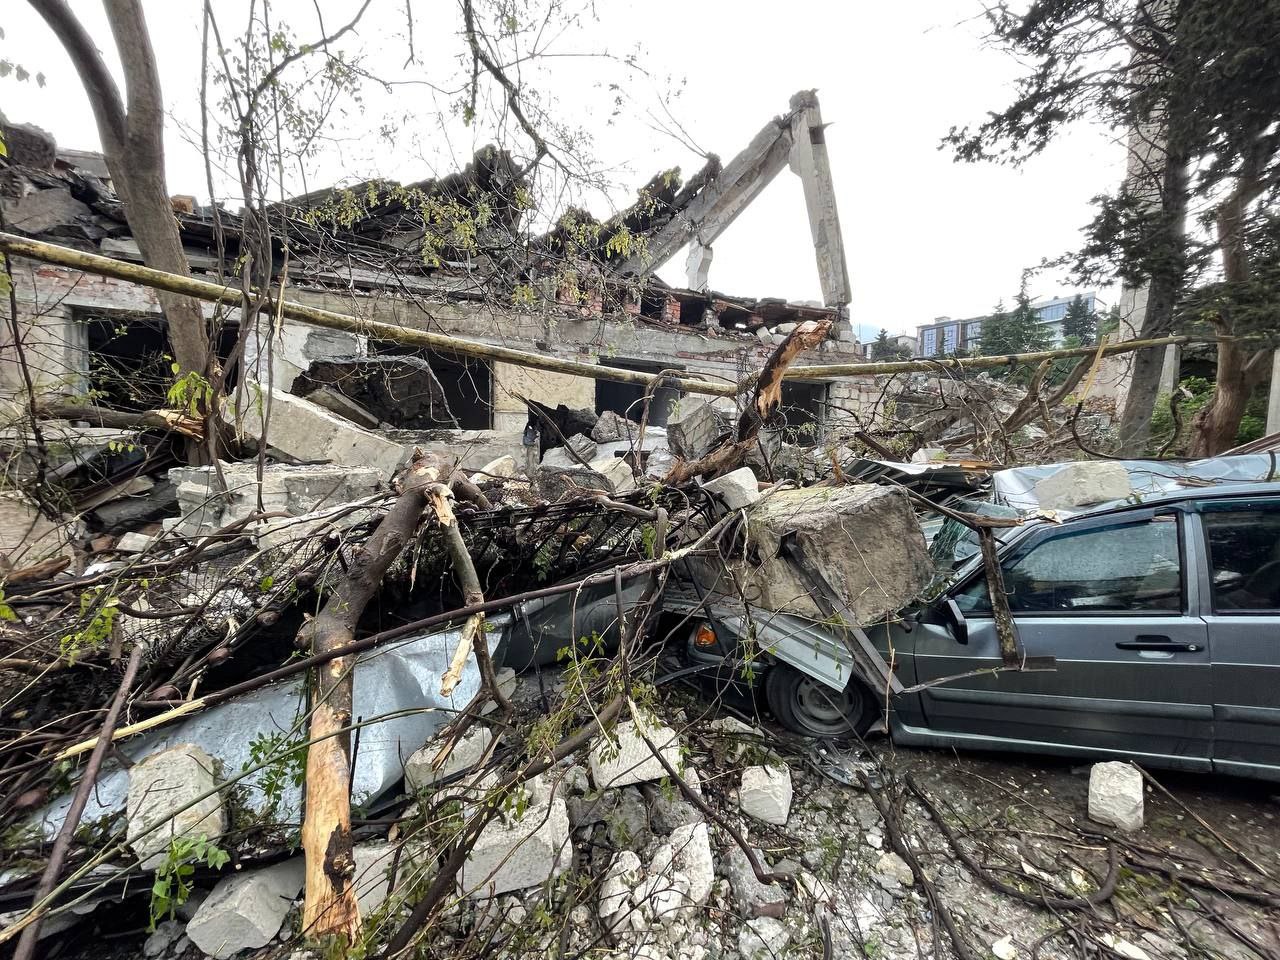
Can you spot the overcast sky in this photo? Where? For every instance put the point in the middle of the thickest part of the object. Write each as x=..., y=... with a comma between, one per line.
x=924, y=236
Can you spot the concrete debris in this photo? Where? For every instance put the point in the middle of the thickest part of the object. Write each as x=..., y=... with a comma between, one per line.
x=134, y=543
x=518, y=855
x=306, y=431
x=246, y=910
x=894, y=868
x=559, y=457
x=625, y=758
x=613, y=427
x=372, y=880
x=503, y=468
x=467, y=752
x=763, y=938
x=296, y=490
x=623, y=876
x=1083, y=483
x=688, y=854
x=752, y=896
x=335, y=401
x=627, y=824
x=766, y=793
x=863, y=538
x=738, y=489
x=166, y=800
x=617, y=472
x=692, y=428
x=1116, y=795
x=557, y=483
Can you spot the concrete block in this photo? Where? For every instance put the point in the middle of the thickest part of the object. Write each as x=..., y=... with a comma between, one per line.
x=502, y=468
x=332, y=400
x=692, y=428
x=613, y=427
x=557, y=483
x=864, y=538
x=518, y=855
x=306, y=431
x=624, y=758
x=246, y=910
x=617, y=472
x=621, y=879
x=763, y=938
x=1115, y=795
x=372, y=880
x=1084, y=483
x=469, y=750
x=134, y=543
x=560, y=458
x=688, y=854
x=738, y=489
x=162, y=794
x=766, y=794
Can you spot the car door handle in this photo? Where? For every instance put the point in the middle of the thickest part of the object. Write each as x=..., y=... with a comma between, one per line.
x=1151, y=642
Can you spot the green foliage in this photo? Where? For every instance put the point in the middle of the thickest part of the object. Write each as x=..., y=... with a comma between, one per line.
x=1080, y=323
x=1019, y=331
x=285, y=756
x=98, y=612
x=1252, y=424
x=190, y=392
x=6, y=611
x=172, y=884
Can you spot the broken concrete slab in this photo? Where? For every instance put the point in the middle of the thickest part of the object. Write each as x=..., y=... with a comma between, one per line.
x=246, y=910
x=514, y=856
x=164, y=801
x=502, y=468
x=765, y=793
x=560, y=457
x=1116, y=795
x=134, y=543
x=335, y=401
x=418, y=773
x=372, y=881
x=692, y=428
x=617, y=471
x=624, y=758
x=27, y=536
x=738, y=489
x=864, y=538
x=296, y=490
x=306, y=431
x=1084, y=483
x=613, y=427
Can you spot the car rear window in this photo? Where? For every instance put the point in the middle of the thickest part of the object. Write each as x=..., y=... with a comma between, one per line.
x=1244, y=557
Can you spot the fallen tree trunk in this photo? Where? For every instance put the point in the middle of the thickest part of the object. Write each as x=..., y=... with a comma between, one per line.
x=330, y=906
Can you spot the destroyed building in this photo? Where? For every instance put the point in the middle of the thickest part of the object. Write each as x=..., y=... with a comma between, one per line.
x=451, y=255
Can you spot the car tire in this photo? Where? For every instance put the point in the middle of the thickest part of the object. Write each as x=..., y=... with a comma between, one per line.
x=812, y=709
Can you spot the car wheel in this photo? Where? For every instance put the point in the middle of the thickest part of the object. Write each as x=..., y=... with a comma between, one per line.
x=812, y=709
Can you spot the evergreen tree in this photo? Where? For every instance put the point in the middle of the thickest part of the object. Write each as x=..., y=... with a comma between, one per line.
x=1080, y=323
x=881, y=346
x=998, y=336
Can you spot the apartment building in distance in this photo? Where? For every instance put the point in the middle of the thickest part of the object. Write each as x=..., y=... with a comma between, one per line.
x=945, y=336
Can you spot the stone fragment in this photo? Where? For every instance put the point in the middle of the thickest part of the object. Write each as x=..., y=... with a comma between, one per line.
x=628, y=822
x=692, y=428
x=162, y=795
x=764, y=335
x=1083, y=483
x=306, y=431
x=557, y=483
x=371, y=880
x=513, y=856
x=246, y=910
x=667, y=812
x=893, y=866
x=751, y=895
x=625, y=758
x=468, y=751
x=688, y=853
x=766, y=793
x=560, y=458
x=1115, y=795
x=502, y=468
x=659, y=899
x=864, y=538
x=134, y=543
x=335, y=402
x=617, y=472
x=738, y=488
x=763, y=938
x=1003, y=949
x=784, y=328
x=613, y=427
x=622, y=877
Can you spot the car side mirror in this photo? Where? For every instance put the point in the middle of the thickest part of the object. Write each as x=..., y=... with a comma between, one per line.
x=955, y=621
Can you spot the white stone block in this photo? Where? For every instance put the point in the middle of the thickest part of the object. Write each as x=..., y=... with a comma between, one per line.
x=766, y=793
x=739, y=488
x=1115, y=795
x=503, y=467
x=467, y=752
x=624, y=758
x=763, y=937
x=1083, y=483
x=518, y=855
x=245, y=911
x=162, y=795
x=617, y=472
x=622, y=877
x=688, y=854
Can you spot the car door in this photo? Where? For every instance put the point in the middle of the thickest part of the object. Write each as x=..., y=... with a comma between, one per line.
x=1241, y=605
x=1111, y=600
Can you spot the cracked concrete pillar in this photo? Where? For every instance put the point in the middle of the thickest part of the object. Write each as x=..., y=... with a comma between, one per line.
x=698, y=266
x=809, y=161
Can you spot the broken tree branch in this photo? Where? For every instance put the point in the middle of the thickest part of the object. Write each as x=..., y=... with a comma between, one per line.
x=330, y=906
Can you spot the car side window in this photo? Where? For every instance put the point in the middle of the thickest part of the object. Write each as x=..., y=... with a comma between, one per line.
x=1244, y=557
x=1127, y=568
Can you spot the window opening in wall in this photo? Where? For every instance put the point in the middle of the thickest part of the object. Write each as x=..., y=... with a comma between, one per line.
x=653, y=305
x=802, y=411
x=129, y=361
x=627, y=399
x=466, y=382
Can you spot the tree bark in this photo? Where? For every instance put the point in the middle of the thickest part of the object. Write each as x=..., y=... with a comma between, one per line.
x=133, y=143
x=330, y=906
